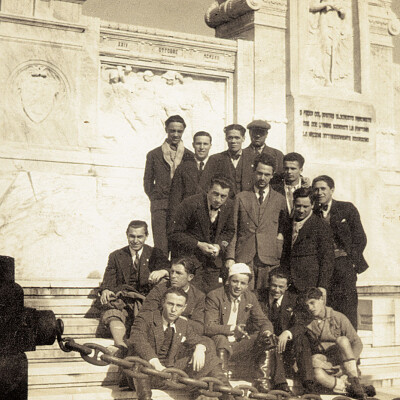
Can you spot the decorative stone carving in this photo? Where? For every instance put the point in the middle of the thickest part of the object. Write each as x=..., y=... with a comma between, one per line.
x=224, y=11
x=38, y=89
x=331, y=37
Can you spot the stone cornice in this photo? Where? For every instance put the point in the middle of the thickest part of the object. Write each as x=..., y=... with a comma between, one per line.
x=382, y=19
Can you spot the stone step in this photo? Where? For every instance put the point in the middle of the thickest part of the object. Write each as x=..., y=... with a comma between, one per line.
x=382, y=376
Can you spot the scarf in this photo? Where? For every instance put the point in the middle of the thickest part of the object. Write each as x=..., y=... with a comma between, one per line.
x=173, y=163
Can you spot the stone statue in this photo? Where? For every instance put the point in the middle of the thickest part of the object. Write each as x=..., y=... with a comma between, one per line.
x=331, y=23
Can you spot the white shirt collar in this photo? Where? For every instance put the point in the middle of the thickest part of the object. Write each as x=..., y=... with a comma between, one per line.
x=300, y=224
x=278, y=302
x=288, y=187
x=165, y=324
x=257, y=192
x=133, y=252
x=198, y=161
x=325, y=213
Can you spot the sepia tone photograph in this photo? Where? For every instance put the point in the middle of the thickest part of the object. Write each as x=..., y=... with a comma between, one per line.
x=199, y=199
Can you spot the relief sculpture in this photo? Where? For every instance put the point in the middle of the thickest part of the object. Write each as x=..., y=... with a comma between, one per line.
x=330, y=40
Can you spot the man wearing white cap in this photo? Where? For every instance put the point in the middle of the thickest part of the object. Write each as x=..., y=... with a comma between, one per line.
x=235, y=321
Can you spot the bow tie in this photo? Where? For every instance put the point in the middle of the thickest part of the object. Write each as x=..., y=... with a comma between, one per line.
x=235, y=156
x=324, y=207
x=213, y=208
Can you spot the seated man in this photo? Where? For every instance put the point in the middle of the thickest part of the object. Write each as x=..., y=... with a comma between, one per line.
x=180, y=276
x=335, y=345
x=238, y=326
x=127, y=279
x=165, y=339
x=280, y=306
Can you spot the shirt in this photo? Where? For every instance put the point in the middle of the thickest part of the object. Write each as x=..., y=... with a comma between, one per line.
x=297, y=225
x=258, y=150
x=198, y=162
x=289, y=190
x=326, y=212
x=165, y=324
x=235, y=162
x=257, y=192
x=212, y=213
x=233, y=316
x=133, y=254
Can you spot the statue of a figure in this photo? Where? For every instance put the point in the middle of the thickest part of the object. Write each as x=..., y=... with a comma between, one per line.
x=333, y=31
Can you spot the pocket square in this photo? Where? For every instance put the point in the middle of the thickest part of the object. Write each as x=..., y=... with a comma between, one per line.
x=183, y=339
x=343, y=220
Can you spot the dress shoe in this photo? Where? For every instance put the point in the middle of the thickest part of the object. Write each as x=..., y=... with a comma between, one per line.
x=283, y=386
x=355, y=389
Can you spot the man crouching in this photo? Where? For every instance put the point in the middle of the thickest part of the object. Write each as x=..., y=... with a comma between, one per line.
x=165, y=339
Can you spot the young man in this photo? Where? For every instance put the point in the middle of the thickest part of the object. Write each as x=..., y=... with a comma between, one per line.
x=308, y=246
x=257, y=214
x=258, y=130
x=180, y=276
x=233, y=163
x=166, y=340
x=334, y=342
x=161, y=164
x=291, y=180
x=193, y=174
x=202, y=227
x=126, y=280
x=349, y=241
x=238, y=326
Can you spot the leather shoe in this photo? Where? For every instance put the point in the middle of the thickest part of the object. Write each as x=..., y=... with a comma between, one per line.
x=283, y=386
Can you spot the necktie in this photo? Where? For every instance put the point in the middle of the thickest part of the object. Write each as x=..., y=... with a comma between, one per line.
x=136, y=263
x=257, y=151
x=274, y=310
x=235, y=156
x=261, y=198
x=213, y=214
x=290, y=196
x=201, y=165
x=166, y=344
x=235, y=305
x=295, y=233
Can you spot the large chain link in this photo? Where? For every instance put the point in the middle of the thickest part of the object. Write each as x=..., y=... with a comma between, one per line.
x=175, y=378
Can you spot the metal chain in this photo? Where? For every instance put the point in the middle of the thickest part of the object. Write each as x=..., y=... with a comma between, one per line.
x=136, y=367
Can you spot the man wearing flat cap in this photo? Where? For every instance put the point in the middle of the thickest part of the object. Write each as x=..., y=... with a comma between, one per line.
x=258, y=130
x=241, y=331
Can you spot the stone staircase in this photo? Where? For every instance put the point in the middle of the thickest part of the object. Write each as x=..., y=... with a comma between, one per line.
x=54, y=374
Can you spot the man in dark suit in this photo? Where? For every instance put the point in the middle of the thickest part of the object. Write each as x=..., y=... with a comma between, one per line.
x=308, y=246
x=161, y=164
x=349, y=241
x=235, y=321
x=126, y=280
x=202, y=227
x=291, y=178
x=233, y=163
x=258, y=130
x=193, y=174
x=180, y=275
x=282, y=309
x=257, y=214
x=165, y=339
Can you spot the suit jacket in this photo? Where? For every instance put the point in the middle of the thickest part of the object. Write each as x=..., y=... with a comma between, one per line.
x=286, y=310
x=348, y=232
x=147, y=336
x=275, y=154
x=157, y=177
x=257, y=228
x=194, y=307
x=311, y=259
x=241, y=177
x=120, y=265
x=188, y=180
x=218, y=308
x=191, y=224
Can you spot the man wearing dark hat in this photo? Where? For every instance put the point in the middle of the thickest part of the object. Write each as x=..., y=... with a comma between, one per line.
x=258, y=130
x=161, y=164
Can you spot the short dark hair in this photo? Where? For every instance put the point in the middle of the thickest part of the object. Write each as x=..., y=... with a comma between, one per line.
x=187, y=263
x=278, y=273
x=312, y=293
x=138, y=224
x=220, y=180
x=236, y=127
x=175, y=290
x=294, y=157
x=264, y=159
x=175, y=118
x=202, y=133
x=325, y=178
x=304, y=192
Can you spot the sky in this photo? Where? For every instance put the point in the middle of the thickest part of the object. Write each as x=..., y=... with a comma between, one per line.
x=175, y=15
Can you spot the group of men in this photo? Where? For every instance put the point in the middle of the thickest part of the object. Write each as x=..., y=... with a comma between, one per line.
x=256, y=250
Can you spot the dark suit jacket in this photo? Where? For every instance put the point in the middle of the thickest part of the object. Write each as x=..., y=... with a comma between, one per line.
x=147, y=336
x=348, y=232
x=120, y=264
x=311, y=259
x=188, y=180
x=286, y=310
x=157, y=177
x=191, y=224
x=275, y=154
x=194, y=307
x=218, y=308
x=257, y=228
x=221, y=164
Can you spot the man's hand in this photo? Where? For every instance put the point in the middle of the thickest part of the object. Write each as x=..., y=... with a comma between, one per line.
x=206, y=248
x=155, y=362
x=199, y=357
x=229, y=263
x=217, y=249
x=156, y=276
x=283, y=338
x=323, y=290
x=106, y=296
x=240, y=333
